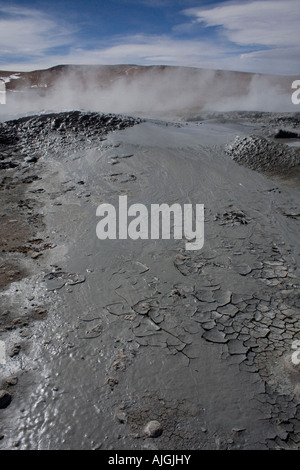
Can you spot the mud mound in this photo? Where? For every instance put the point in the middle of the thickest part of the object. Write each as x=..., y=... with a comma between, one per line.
x=260, y=154
x=38, y=132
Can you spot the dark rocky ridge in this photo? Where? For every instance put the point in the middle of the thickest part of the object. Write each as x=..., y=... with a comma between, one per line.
x=35, y=134
x=283, y=134
x=266, y=120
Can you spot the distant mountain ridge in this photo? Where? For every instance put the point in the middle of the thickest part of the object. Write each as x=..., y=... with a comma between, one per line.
x=109, y=73
x=148, y=89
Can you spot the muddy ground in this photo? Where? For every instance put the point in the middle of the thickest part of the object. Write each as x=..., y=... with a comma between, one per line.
x=103, y=337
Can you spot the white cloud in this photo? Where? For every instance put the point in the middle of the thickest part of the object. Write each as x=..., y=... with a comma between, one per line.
x=28, y=38
x=272, y=26
x=29, y=32
x=265, y=22
x=140, y=49
x=278, y=61
x=144, y=48
x=149, y=50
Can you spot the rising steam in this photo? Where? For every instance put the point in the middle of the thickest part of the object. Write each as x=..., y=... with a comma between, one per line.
x=147, y=91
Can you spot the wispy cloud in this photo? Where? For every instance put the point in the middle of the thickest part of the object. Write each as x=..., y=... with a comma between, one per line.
x=272, y=26
x=264, y=22
x=27, y=32
x=139, y=49
x=149, y=48
x=257, y=36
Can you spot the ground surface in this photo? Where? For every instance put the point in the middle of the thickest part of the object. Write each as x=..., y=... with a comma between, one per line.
x=105, y=336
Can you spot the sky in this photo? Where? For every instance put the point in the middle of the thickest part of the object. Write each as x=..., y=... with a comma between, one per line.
x=248, y=35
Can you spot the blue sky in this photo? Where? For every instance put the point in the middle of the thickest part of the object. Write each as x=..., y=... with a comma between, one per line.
x=247, y=35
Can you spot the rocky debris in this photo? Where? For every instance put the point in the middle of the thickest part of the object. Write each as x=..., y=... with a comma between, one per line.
x=283, y=134
x=121, y=178
x=153, y=429
x=11, y=381
x=121, y=416
x=94, y=329
x=39, y=313
x=293, y=214
x=112, y=382
x=5, y=399
x=233, y=217
x=257, y=153
x=118, y=366
x=10, y=322
x=256, y=118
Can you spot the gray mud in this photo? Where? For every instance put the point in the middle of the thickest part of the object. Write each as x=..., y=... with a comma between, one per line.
x=257, y=153
x=144, y=331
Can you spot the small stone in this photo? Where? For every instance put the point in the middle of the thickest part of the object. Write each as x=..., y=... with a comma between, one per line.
x=112, y=382
x=5, y=399
x=11, y=381
x=15, y=350
x=284, y=134
x=121, y=417
x=153, y=429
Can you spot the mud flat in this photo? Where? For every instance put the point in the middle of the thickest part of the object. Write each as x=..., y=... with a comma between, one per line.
x=123, y=344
